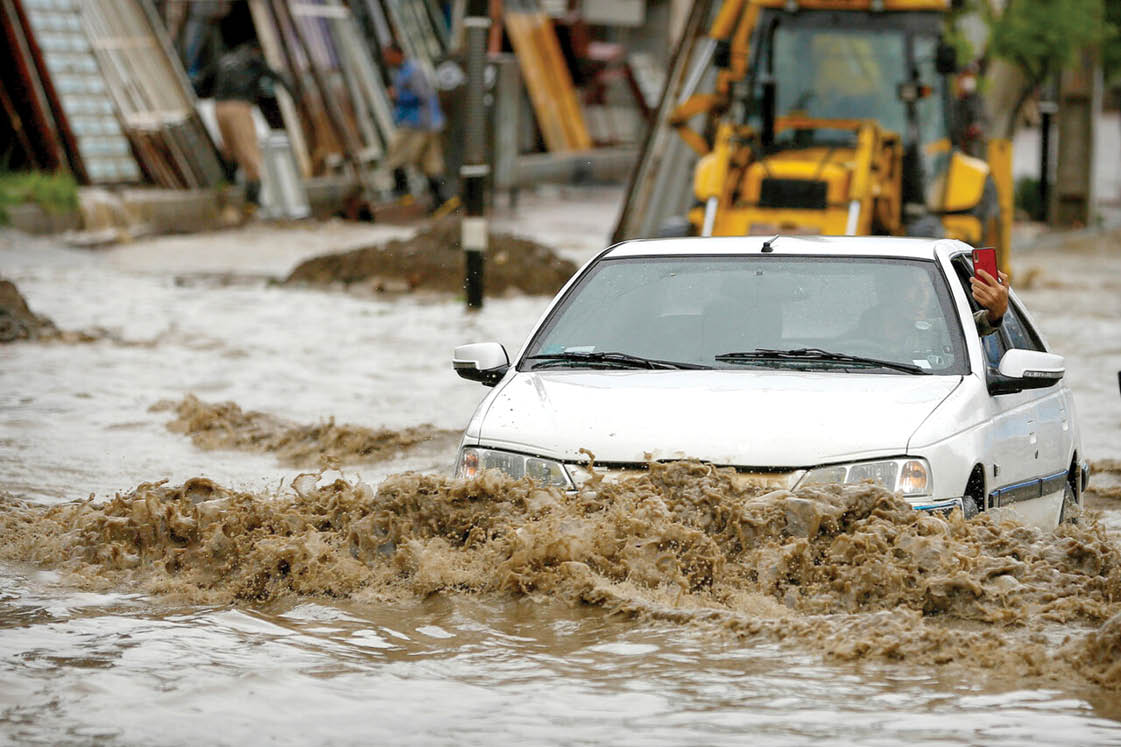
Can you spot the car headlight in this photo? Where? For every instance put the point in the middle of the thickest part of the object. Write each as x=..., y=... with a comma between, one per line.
x=473, y=460
x=911, y=477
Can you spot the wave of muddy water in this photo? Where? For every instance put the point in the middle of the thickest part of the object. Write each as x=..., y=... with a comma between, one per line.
x=424, y=650
x=224, y=425
x=690, y=594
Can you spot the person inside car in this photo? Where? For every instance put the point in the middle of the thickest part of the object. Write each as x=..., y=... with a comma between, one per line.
x=914, y=303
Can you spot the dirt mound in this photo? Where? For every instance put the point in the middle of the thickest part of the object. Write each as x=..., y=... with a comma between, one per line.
x=433, y=260
x=17, y=321
x=226, y=426
x=851, y=571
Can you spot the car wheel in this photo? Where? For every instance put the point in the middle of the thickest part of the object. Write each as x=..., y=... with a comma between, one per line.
x=1071, y=511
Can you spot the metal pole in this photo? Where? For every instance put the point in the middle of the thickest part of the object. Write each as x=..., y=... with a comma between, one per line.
x=475, y=170
x=1047, y=109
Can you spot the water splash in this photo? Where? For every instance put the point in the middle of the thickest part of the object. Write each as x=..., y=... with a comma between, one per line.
x=225, y=425
x=851, y=571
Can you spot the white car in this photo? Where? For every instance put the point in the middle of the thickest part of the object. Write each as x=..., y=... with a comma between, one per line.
x=794, y=360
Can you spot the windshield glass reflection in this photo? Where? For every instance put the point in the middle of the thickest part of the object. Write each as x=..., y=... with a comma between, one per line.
x=698, y=310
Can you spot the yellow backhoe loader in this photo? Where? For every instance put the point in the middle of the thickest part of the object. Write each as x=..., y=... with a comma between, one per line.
x=837, y=117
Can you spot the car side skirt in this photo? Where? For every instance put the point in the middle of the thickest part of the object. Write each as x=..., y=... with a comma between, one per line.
x=1027, y=490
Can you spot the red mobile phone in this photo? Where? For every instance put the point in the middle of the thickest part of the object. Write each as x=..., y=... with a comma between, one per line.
x=985, y=259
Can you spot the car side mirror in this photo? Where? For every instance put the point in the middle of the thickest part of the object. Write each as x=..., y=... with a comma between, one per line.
x=1026, y=369
x=484, y=362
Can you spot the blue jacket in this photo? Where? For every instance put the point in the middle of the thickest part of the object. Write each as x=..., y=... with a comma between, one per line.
x=417, y=106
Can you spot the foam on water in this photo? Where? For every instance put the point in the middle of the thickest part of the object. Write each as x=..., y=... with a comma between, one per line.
x=851, y=571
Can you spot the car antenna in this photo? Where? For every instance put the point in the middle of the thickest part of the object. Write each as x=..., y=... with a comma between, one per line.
x=767, y=248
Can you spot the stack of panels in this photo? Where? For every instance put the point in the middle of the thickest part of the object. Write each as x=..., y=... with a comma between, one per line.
x=152, y=94
x=83, y=96
x=337, y=83
x=417, y=30
x=546, y=76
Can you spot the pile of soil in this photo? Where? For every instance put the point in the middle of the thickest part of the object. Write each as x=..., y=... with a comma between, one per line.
x=433, y=260
x=17, y=321
x=224, y=425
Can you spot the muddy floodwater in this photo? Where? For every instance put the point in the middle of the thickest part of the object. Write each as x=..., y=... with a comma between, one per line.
x=227, y=517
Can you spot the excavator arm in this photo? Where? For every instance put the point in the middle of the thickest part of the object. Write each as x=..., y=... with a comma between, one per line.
x=731, y=35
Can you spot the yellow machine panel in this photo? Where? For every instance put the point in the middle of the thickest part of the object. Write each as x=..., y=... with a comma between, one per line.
x=964, y=184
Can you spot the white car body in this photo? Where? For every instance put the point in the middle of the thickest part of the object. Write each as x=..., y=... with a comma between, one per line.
x=775, y=425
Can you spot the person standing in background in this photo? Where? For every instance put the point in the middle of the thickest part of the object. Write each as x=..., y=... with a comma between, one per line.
x=419, y=122
x=238, y=81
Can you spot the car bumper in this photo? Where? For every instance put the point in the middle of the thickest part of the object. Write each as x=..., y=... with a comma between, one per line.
x=937, y=505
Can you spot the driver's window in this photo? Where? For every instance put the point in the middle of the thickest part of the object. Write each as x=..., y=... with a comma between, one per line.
x=1020, y=335
x=994, y=345
x=994, y=348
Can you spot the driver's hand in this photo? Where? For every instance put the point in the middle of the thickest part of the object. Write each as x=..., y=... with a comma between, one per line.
x=991, y=293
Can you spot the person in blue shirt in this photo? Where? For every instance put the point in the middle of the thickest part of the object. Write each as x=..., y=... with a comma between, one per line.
x=419, y=121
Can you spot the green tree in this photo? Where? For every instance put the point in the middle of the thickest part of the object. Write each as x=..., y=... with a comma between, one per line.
x=1111, y=44
x=1041, y=37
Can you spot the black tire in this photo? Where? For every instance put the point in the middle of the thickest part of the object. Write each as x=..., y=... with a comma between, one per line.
x=1071, y=510
x=973, y=500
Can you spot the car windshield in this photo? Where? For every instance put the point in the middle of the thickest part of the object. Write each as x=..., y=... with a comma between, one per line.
x=758, y=311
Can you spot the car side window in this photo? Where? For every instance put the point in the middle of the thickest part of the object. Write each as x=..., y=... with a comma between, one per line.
x=1020, y=334
x=994, y=345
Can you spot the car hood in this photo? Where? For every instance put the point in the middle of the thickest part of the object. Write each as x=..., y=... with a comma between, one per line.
x=749, y=418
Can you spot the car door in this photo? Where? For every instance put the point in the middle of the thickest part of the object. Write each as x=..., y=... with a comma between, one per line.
x=1051, y=443
x=1013, y=437
x=1007, y=451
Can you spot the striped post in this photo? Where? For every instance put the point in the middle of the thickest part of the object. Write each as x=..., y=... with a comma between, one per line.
x=475, y=169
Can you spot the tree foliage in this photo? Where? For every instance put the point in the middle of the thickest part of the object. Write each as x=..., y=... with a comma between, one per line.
x=1041, y=37
x=1111, y=44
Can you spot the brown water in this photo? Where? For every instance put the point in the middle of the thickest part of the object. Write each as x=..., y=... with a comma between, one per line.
x=241, y=603
x=224, y=425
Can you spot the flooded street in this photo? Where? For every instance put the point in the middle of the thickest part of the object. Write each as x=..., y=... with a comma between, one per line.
x=253, y=606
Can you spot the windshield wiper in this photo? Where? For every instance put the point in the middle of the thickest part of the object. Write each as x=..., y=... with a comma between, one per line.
x=816, y=354
x=621, y=360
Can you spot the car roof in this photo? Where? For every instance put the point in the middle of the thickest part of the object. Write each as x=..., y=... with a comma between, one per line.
x=853, y=246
